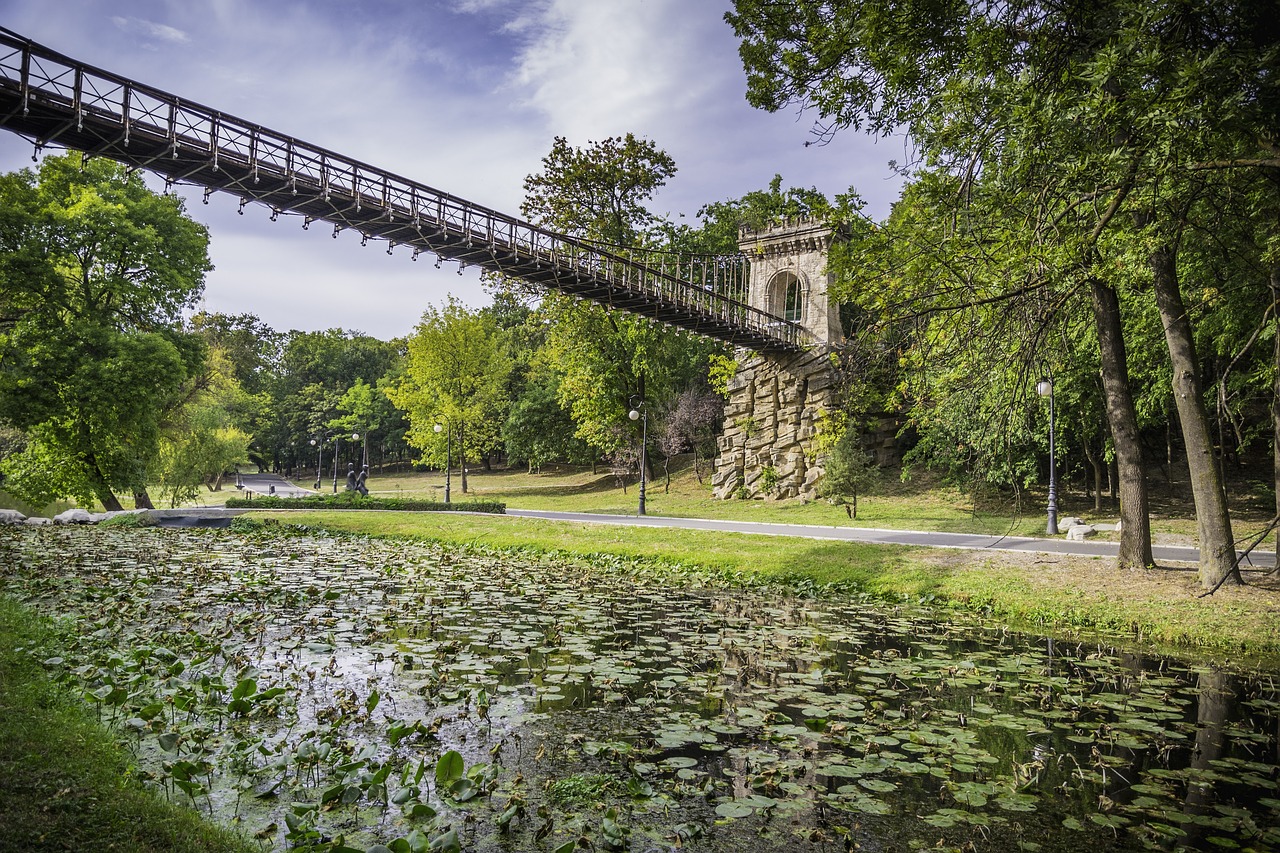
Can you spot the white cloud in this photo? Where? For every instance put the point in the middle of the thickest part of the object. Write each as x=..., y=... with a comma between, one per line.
x=163, y=32
x=605, y=68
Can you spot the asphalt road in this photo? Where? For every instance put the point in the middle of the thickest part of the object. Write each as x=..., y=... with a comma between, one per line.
x=262, y=484
x=927, y=539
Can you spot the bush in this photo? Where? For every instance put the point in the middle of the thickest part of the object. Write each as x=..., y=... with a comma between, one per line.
x=129, y=520
x=352, y=500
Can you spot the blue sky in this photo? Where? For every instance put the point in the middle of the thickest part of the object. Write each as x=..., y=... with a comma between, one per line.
x=464, y=95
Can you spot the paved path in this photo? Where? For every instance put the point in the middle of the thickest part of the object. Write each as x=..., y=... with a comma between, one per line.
x=1162, y=553
x=262, y=484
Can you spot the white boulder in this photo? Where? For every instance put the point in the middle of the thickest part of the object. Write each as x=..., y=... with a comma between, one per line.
x=37, y=521
x=73, y=516
x=1069, y=521
x=11, y=516
x=1080, y=532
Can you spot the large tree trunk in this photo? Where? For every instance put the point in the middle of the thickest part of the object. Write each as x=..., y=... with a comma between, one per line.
x=1135, y=517
x=98, y=483
x=1217, y=547
x=142, y=499
x=1098, y=462
x=1275, y=397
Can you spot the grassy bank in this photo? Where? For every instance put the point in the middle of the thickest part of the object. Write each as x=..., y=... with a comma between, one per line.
x=920, y=503
x=1158, y=608
x=65, y=784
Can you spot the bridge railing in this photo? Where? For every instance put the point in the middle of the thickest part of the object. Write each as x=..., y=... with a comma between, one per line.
x=173, y=131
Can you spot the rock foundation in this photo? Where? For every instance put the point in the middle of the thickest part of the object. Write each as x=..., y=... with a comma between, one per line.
x=771, y=420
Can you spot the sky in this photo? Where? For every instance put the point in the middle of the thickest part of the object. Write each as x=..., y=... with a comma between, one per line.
x=463, y=95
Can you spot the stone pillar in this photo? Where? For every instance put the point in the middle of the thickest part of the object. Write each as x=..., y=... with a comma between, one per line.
x=776, y=402
x=766, y=448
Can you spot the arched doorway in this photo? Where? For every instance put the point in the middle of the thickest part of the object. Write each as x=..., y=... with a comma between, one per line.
x=788, y=296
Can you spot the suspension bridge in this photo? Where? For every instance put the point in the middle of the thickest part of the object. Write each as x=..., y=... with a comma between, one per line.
x=54, y=100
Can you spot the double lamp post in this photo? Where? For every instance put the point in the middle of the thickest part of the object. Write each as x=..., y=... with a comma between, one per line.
x=319, y=444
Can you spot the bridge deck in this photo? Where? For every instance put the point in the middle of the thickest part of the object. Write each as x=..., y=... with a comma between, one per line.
x=52, y=99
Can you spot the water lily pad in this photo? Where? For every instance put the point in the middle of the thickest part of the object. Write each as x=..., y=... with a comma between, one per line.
x=733, y=810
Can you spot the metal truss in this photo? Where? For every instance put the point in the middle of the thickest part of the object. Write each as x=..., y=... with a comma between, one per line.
x=52, y=99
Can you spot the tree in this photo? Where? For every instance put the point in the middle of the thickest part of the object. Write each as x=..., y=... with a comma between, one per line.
x=1096, y=118
x=457, y=373
x=359, y=413
x=538, y=429
x=850, y=468
x=200, y=440
x=97, y=270
x=251, y=347
x=692, y=421
x=312, y=373
x=605, y=359
x=598, y=192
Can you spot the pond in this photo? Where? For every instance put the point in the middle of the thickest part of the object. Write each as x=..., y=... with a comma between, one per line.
x=336, y=693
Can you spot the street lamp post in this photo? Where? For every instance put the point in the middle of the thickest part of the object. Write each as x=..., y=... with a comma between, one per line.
x=448, y=456
x=641, y=414
x=1045, y=389
x=319, y=443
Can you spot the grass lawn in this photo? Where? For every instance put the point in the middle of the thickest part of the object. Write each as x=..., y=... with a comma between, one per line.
x=921, y=503
x=65, y=784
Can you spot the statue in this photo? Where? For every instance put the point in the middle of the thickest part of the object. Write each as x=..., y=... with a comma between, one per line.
x=351, y=476
x=360, y=486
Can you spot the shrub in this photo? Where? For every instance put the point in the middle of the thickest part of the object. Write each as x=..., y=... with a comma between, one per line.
x=129, y=520
x=351, y=500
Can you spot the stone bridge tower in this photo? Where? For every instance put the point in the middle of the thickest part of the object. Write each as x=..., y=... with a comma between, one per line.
x=776, y=402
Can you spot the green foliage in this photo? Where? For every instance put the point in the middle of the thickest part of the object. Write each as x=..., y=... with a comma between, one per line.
x=606, y=359
x=538, y=429
x=250, y=346
x=456, y=374
x=849, y=468
x=756, y=210
x=97, y=270
x=201, y=440
x=581, y=789
x=308, y=376
x=598, y=192
x=353, y=500
x=67, y=776
x=129, y=521
x=720, y=372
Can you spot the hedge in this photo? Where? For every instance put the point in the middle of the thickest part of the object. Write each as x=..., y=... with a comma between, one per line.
x=352, y=500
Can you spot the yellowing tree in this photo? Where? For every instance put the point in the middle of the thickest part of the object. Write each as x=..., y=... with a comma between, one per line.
x=456, y=376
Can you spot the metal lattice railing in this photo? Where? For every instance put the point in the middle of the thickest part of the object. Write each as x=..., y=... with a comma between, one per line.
x=53, y=99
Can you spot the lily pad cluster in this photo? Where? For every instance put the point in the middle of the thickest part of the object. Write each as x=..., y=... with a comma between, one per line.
x=336, y=693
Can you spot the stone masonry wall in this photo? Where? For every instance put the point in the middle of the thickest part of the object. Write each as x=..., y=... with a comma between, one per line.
x=770, y=423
